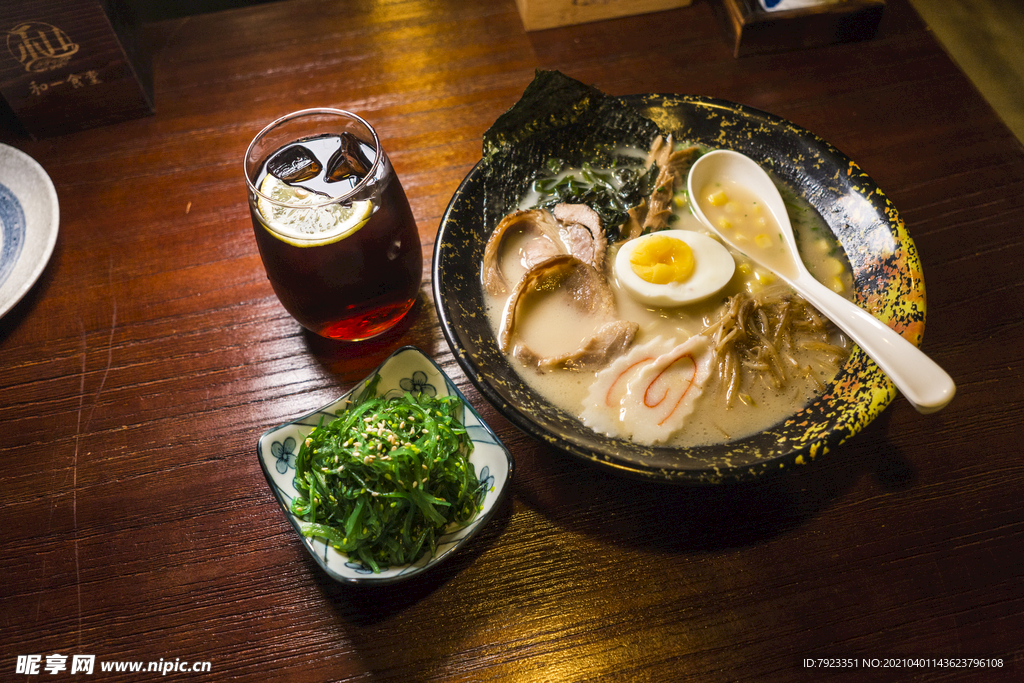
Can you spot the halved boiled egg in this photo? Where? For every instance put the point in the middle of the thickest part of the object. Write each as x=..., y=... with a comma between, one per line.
x=673, y=267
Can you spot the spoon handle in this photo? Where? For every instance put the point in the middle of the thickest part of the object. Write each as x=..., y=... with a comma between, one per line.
x=920, y=379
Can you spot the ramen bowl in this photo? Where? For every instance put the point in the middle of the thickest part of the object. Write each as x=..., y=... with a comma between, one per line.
x=883, y=258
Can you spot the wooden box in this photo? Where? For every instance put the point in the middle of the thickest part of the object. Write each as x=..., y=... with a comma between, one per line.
x=541, y=14
x=64, y=67
x=756, y=31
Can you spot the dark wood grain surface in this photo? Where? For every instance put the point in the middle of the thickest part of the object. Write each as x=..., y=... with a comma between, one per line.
x=138, y=373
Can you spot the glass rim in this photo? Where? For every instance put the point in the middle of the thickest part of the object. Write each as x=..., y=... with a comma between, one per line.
x=363, y=182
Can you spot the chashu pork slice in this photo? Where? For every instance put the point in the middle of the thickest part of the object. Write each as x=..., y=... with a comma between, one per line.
x=544, y=242
x=609, y=341
x=582, y=233
x=588, y=292
x=573, y=229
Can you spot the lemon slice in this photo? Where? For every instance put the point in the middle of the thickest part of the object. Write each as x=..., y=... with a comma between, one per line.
x=309, y=227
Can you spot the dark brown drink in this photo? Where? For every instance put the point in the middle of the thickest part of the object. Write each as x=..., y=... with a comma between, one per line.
x=337, y=237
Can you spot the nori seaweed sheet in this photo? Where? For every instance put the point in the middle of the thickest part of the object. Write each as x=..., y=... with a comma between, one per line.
x=557, y=117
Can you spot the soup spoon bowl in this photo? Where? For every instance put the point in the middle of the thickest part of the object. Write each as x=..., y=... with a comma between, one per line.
x=920, y=379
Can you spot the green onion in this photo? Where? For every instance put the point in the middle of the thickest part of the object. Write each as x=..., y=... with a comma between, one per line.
x=383, y=480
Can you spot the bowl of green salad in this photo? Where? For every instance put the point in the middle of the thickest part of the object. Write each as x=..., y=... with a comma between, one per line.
x=390, y=479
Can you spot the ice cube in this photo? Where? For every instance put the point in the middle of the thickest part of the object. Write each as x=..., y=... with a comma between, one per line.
x=294, y=164
x=348, y=160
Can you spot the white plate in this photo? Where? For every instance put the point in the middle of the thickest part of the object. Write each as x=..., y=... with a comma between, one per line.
x=29, y=217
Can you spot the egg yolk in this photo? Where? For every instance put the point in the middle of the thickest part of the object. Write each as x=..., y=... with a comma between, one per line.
x=660, y=260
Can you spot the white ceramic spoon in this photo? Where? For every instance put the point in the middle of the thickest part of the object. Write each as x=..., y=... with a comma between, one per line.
x=920, y=379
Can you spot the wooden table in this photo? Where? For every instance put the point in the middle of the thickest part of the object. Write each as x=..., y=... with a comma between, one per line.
x=138, y=373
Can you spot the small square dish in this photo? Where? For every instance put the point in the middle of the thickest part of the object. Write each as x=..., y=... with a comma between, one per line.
x=408, y=369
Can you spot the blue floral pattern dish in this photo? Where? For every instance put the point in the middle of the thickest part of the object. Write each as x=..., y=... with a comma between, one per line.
x=29, y=221
x=408, y=369
x=12, y=231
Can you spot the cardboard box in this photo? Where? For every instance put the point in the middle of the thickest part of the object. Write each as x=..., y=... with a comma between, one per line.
x=755, y=31
x=541, y=14
x=65, y=68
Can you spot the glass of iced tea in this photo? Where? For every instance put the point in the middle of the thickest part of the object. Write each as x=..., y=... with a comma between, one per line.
x=333, y=225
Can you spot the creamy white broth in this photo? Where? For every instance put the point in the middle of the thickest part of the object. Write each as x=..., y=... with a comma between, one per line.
x=555, y=331
x=550, y=325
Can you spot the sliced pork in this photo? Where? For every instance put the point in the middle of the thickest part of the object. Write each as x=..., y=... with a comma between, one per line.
x=573, y=229
x=544, y=242
x=584, y=290
x=582, y=233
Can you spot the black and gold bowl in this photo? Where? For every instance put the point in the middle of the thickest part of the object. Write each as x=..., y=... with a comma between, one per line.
x=886, y=269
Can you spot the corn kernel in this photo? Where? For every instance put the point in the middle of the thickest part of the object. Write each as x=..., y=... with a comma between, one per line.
x=763, y=241
x=832, y=266
x=718, y=198
x=733, y=207
x=765, y=277
x=836, y=284
x=724, y=223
